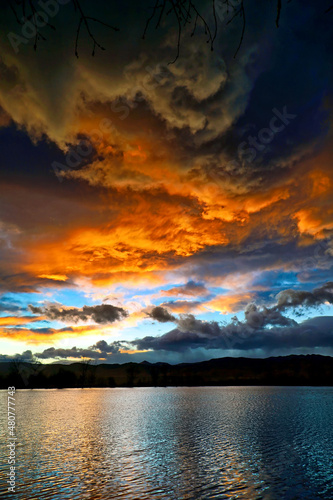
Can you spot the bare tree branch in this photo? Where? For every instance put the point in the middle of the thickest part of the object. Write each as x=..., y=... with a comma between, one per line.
x=279, y=5
x=184, y=12
x=84, y=19
x=29, y=13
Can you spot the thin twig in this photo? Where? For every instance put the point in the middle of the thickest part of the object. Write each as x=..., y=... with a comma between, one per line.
x=279, y=5
x=84, y=19
x=242, y=13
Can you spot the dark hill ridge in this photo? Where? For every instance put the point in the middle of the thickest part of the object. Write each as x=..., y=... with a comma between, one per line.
x=283, y=370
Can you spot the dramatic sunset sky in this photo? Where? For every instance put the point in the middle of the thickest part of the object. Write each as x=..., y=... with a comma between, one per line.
x=167, y=212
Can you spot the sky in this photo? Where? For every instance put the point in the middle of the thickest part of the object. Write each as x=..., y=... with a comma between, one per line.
x=161, y=206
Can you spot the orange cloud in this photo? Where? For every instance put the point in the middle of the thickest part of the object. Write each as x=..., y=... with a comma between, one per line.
x=132, y=351
x=54, y=277
x=50, y=335
x=149, y=214
x=20, y=320
x=230, y=303
x=130, y=242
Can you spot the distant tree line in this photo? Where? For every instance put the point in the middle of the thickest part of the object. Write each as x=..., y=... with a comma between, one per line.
x=288, y=370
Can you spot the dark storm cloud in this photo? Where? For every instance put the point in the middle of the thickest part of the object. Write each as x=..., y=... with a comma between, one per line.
x=263, y=328
x=299, y=298
x=317, y=332
x=25, y=356
x=252, y=333
x=239, y=97
x=231, y=156
x=24, y=282
x=205, y=336
x=99, y=350
x=258, y=317
x=104, y=313
x=112, y=348
x=261, y=250
x=194, y=333
x=73, y=352
x=161, y=315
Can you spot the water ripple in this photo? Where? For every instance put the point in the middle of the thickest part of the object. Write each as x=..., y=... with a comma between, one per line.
x=172, y=443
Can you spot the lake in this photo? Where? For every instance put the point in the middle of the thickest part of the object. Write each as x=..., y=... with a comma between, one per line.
x=171, y=443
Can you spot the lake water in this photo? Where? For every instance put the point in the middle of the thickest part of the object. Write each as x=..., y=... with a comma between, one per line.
x=171, y=443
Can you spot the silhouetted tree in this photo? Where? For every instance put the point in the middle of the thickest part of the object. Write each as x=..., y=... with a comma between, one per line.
x=63, y=379
x=23, y=371
x=154, y=373
x=15, y=376
x=85, y=369
x=131, y=371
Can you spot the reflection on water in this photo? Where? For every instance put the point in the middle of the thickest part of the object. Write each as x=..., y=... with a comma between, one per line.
x=172, y=443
